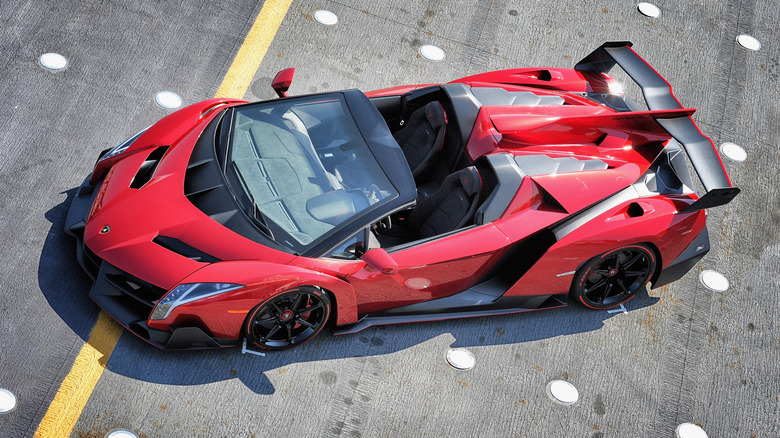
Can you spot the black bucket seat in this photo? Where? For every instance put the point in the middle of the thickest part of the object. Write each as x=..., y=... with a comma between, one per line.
x=422, y=137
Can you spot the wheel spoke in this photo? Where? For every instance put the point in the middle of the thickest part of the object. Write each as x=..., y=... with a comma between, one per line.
x=302, y=321
x=310, y=309
x=264, y=321
x=297, y=302
x=600, y=283
x=607, y=290
x=276, y=307
x=633, y=273
x=632, y=261
x=622, y=286
x=272, y=332
x=289, y=328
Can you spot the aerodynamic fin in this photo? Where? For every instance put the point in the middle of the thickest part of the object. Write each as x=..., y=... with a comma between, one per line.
x=658, y=94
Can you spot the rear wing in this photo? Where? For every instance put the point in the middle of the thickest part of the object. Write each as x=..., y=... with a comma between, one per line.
x=658, y=95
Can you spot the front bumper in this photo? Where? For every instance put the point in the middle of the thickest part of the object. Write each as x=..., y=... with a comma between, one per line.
x=128, y=299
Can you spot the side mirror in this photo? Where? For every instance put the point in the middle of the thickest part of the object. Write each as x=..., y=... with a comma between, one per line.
x=380, y=260
x=282, y=81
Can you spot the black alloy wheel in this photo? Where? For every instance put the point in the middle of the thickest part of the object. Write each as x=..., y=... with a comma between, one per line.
x=289, y=319
x=614, y=277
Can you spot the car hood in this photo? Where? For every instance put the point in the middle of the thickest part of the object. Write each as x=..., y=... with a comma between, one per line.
x=142, y=223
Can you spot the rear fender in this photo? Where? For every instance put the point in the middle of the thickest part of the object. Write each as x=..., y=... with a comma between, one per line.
x=647, y=220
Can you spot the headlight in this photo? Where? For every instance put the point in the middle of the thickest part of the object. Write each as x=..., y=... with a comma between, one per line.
x=186, y=293
x=121, y=147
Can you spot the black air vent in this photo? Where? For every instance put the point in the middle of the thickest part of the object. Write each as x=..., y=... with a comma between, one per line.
x=139, y=290
x=519, y=258
x=181, y=248
x=148, y=167
x=635, y=210
x=548, y=199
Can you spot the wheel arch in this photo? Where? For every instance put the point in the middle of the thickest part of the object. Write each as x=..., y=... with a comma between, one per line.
x=653, y=247
x=340, y=293
x=658, y=260
x=223, y=315
x=585, y=267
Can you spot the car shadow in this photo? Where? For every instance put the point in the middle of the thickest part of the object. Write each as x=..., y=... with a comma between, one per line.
x=62, y=281
x=65, y=286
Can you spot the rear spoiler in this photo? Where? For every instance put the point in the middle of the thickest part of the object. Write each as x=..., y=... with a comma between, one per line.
x=658, y=95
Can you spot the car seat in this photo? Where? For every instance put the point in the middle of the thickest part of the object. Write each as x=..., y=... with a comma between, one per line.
x=451, y=207
x=422, y=138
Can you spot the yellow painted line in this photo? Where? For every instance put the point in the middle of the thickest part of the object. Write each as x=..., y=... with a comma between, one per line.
x=251, y=53
x=76, y=388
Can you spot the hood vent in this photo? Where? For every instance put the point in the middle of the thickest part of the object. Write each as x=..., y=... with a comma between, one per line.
x=146, y=171
x=181, y=248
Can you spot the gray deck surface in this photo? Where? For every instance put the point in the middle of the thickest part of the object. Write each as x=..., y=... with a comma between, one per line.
x=680, y=354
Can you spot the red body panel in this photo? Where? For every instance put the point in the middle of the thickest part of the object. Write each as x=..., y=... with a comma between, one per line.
x=564, y=79
x=167, y=131
x=123, y=222
x=659, y=226
x=577, y=190
x=223, y=315
x=436, y=269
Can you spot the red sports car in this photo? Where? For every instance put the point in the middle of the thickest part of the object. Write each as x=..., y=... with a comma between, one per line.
x=497, y=193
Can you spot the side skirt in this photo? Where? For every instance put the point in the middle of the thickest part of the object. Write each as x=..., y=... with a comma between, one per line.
x=481, y=300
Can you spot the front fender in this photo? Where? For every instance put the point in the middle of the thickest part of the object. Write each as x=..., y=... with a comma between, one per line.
x=223, y=315
x=167, y=131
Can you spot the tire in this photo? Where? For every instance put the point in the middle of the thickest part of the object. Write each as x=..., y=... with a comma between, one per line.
x=288, y=319
x=614, y=277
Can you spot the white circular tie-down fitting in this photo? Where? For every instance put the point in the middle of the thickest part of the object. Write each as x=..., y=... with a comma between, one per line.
x=7, y=401
x=690, y=430
x=733, y=151
x=432, y=53
x=168, y=99
x=53, y=61
x=326, y=18
x=563, y=392
x=714, y=280
x=461, y=359
x=121, y=433
x=749, y=42
x=649, y=10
